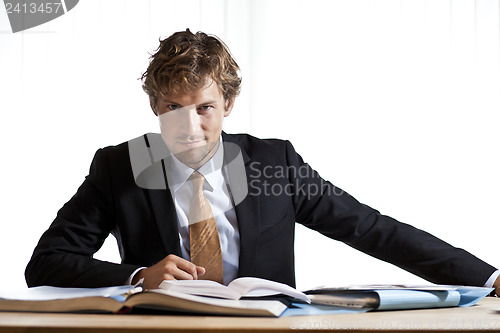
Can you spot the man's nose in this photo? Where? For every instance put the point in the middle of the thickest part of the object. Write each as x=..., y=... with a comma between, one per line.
x=190, y=121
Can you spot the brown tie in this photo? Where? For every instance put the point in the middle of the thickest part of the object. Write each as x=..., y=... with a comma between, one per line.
x=203, y=235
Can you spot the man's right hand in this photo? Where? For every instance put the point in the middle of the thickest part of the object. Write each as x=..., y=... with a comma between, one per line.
x=171, y=267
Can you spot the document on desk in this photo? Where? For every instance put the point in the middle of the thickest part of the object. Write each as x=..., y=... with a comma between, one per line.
x=398, y=297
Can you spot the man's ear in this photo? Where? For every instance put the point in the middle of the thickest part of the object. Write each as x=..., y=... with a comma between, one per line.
x=229, y=106
x=152, y=104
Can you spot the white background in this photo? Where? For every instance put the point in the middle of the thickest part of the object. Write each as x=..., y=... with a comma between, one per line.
x=396, y=102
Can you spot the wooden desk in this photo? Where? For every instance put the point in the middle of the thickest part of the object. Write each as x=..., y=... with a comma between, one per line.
x=479, y=318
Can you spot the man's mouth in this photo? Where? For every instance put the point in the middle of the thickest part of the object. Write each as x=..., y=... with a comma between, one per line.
x=191, y=143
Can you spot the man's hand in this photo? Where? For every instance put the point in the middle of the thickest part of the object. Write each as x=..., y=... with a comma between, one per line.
x=496, y=285
x=170, y=268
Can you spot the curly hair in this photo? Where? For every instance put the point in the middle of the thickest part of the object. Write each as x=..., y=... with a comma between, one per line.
x=185, y=61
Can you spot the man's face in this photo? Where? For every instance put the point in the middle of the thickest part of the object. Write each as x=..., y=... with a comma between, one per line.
x=191, y=124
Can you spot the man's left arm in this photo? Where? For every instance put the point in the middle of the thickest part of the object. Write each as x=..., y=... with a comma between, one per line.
x=338, y=215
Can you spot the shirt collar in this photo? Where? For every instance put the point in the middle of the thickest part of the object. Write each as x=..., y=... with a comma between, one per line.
x=211, y=170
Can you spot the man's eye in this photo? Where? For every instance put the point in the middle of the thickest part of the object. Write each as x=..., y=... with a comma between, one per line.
x=204, y=107
x=172, y=107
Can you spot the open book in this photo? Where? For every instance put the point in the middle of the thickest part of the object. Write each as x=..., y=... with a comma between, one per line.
x=238, y=288
x=123, y=299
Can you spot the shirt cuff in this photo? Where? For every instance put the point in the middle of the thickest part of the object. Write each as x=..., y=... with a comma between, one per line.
x=492, y=279
x=131, y=277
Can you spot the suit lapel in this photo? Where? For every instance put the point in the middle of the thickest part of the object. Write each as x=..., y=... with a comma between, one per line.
x=166, y=218
x=147, y=156
x=247, y=207
x=248, y=213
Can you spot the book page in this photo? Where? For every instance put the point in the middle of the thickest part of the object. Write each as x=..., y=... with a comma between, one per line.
x=256, y=287
x=46, y=293
x=200, y=287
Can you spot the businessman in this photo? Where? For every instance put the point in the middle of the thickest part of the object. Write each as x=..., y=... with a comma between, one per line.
x=197, y=203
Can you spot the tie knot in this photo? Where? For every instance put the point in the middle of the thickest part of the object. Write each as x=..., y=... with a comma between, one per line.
x=197, y=179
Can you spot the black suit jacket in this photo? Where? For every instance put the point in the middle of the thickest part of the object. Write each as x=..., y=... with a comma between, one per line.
x=282, y=190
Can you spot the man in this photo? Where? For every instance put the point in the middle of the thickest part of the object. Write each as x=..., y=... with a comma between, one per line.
x=199, y=203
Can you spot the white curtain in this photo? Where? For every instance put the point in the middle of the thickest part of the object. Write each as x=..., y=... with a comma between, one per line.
x=396, y=102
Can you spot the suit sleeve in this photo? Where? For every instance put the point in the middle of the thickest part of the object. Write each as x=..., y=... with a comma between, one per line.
x=63, y=256
x=321, y=206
